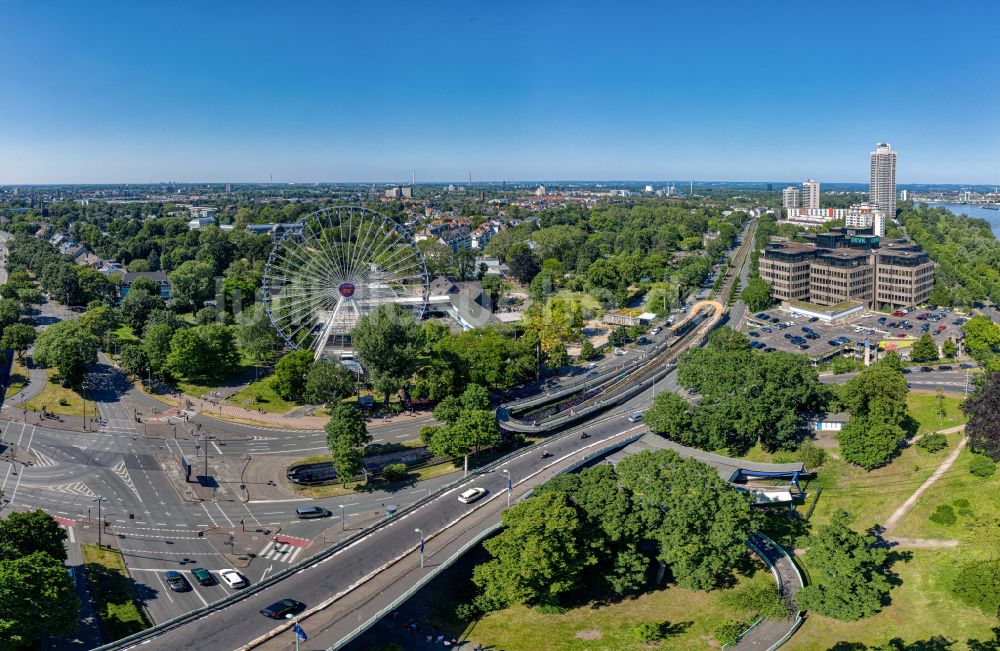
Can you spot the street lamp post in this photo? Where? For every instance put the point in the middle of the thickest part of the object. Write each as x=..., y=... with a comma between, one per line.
x=100, y=519
x=421, y=546
x=343, y=520
x=510, y=486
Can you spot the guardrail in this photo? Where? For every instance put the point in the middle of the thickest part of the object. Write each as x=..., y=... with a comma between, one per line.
x=154, y=631
x=427, y=578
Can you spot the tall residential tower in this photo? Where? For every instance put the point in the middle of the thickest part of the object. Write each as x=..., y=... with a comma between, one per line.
x=810, y=194
x=882, y=192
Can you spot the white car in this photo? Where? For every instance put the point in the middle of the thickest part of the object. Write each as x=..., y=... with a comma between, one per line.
x=233, y=578
x=471, y=495
x=636, y=417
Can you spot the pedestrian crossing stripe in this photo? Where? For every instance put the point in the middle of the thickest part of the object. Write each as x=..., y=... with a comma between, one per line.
x=281, y=552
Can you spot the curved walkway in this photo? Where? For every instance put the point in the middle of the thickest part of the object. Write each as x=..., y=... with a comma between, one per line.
x=768, y=633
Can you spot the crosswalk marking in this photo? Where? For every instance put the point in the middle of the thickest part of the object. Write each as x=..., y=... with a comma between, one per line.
x=76, y=488
x=122, y=472
x=281, y=552
x=43, y=460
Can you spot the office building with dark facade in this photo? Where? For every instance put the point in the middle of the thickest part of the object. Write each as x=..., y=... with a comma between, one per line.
x=848, y=264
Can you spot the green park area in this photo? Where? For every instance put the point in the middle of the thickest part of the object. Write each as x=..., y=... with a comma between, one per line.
x=58, y=399
x=119, y=611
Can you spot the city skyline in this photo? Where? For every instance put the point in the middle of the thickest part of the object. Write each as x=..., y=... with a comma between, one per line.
x=519, y=92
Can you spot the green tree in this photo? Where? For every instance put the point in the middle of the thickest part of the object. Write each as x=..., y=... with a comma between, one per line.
x=473, y=430
x=870, y=442
x=587, y=350
x=99, y=319
x=145, y=284
x=346, y=436
x=328, y=382
x=60, y=280
x=136, y=308
x=134, y=359
x=698, y=521
x=983, y=411
x=670, y=417
x=940, y=295
x=156, y=345
x=879, y=391
x=387, y=341
x=68, y=346
x=22, y=534
x=537, y=556
x=36, y=601
x=95, y=286
x=192, y=283
x=848, y=572
x=11, y=310
x=949, y=348
x=18, y=337
x=257, y=337
x=925, y=350
x=757, y=294
x=290, y=373
x=203, y=352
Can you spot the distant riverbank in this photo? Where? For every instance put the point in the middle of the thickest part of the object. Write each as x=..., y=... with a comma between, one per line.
x=992, y=216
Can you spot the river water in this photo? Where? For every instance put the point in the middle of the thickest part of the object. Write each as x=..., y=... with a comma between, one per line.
x=992, y=216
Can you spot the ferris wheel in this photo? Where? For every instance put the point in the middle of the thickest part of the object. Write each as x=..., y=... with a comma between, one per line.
x=336, y=266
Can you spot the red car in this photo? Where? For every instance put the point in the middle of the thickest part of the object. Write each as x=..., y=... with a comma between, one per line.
x=898, y=313
x=940, y=328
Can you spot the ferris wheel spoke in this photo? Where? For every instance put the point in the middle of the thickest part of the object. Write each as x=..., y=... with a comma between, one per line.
x=331, y=266
x=360, y=256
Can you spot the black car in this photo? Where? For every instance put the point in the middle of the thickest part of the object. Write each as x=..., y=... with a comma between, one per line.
x=944, y=367
x=281, y=609
x=965, y=366
x=814, y=319
x=803, y=346
x=176, y=581
x=788, y=335
x=926, y=369
x=762, y=316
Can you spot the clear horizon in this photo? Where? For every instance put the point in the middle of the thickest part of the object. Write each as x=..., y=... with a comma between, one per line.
x=102, y=94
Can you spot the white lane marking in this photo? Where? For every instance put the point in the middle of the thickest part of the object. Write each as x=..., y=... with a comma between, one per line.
x=194, y=588
x=214, y=523
x=69, y=531
x=165, y=588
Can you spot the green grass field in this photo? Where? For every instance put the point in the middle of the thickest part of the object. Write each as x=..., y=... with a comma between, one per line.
x=586, y=300
x=923, y=406
x=969, y=497
x=119, y=611
x=125, y=335
x=921, y=608
x=260, y=395
x=52, y=394
x=692, y=616
x=18, y=378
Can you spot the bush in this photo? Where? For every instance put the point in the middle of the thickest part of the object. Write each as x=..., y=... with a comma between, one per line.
x=757, y=600
x=933, y=442
x=63, y=402
x=548, y=608
x=961, y=503
x=647, y=632
x=813, y=457
x=982, y=466
x=587, y=350
x=978, y=584
x=729, y=633
x=467, y=612
x=943, y=515
x=394, y=472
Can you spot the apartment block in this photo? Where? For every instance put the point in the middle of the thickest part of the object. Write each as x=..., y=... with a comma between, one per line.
x=790, y=198
x=810, y=195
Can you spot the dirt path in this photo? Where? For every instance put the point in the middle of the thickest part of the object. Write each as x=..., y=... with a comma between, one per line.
x=906, y=506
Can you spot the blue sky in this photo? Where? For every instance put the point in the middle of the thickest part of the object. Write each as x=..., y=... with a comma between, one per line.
x=338, y=91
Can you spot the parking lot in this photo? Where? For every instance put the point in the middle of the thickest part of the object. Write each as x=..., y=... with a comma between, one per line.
x=781, y=330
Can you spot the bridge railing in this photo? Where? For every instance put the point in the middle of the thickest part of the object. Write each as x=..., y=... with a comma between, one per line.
x=430, y=576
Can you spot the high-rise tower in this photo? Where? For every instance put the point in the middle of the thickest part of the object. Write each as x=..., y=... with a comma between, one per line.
x=882, y=191
x=810, y=194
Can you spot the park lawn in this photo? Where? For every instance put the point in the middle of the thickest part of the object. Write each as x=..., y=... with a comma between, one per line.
x=125, y=335
x=19, y=378
x=50, y=396
x=922, y=405
x=692, y=614
x=119, y=611
x=872, y=496
x=958, y=484
x=588, y=302
x=260, y=395
x=197, y=389
x=920, y=608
